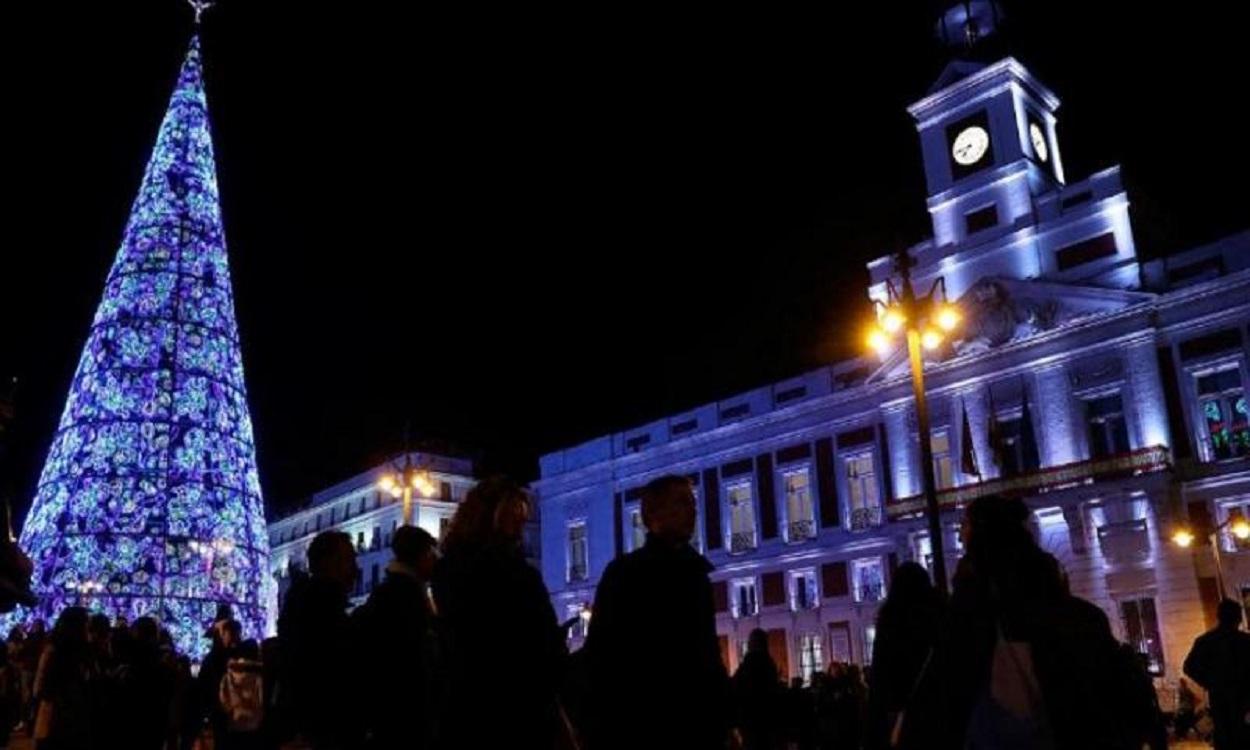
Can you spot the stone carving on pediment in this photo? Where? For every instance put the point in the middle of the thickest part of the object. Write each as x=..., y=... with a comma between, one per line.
x=994, y=317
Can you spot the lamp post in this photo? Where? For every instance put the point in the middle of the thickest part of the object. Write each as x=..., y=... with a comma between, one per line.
x=401, y=481
x=1184, y=537
x=923, y=320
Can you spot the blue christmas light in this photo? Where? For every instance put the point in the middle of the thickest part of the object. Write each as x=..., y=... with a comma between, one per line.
x=149, y=502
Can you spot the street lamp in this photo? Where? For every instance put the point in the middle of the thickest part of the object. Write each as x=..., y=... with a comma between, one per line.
x=926, y=321
x=401, y=481
x=1183, y=536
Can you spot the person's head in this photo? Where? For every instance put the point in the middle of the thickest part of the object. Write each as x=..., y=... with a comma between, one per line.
x=99, y=629
x=38, y=627
x=145, y=632
x=231, y=633
x=70, y=630
x=332, y=558
x=1229, y=614
x=910, y=585
x=224, y=611
x=668, y=509
x=120, y=623
x=415, y=547
x=249, y=649
x=757, y=642
x=493, y=512
x=995, y=521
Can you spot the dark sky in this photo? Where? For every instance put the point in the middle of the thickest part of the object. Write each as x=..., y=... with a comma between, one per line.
x=521, y=228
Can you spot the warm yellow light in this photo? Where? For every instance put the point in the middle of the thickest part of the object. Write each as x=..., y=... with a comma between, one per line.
x=878, y=341
x=892, y=321
x=947, y=318
x=386, y=483
x=421, y=483
x=396, y=491
x=1182, y=537
x=930, y=339
x=1240, y=528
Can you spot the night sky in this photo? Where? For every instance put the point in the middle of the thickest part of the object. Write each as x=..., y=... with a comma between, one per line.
x=522, y=228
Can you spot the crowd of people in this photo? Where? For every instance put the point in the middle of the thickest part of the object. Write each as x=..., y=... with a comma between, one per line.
x=459, y=647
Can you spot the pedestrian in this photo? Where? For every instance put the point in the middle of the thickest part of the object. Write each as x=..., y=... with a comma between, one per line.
x=320, y=651
x=63, y=713
x=396, y=627
x=242, y=698
x=758, y=697
x=656, y=675
x=908, y=624
x=1220, y=663
x=145, y=688
x=225, y=636
x=504, y=649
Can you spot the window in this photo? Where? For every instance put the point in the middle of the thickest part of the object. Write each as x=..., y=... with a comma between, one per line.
x=1225, y=416
x=940, y=444
x=865, y=498
x=803, y=593
x=444, y=522
x=696, y=539
x=1141, y=631
x=741, y=518
x=376, y=542
x=799, y=512
x=1086, y=251
x=868, y=577
x=744, y=601
x=870, y=639
x=578, y=557
x=811, y=656
x=923, y=547
x=637, y=531
x=982, y=218
x=1010, y=431
x=1231, y=513
x=577, y=614
x=360, y=541
x=1108, y=434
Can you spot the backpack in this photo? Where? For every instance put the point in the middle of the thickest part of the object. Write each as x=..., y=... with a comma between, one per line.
x=242, y=696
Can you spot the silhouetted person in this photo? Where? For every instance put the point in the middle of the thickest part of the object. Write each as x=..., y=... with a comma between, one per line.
x=225, y=637
x=145, y=688
x=1220, y=663
x=396, y=632
x=908, y=624
x=63, y=716
x=319, y=651
x=1022, y=664
x=656, y=676
x=757, y=696
x=504, y=649
x=242, y=699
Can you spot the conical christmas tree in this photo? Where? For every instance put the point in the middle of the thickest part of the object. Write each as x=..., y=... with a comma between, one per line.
x=149, y=502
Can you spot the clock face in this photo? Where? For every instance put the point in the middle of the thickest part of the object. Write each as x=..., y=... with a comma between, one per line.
x=970, y=145
x=1039, y=141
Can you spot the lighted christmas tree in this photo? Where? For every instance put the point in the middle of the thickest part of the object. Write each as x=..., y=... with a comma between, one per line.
x=149, y=502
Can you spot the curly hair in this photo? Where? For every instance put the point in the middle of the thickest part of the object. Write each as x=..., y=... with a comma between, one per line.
x=473, y=526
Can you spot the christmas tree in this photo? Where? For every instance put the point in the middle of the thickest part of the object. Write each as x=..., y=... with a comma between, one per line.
x=149, y=501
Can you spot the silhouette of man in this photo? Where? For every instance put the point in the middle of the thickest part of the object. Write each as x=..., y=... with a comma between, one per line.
x=656, y=678
x=395, y=627
x=1220, y=663
x=319, y=650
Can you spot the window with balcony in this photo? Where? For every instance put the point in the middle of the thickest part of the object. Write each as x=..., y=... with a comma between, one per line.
x=1225, y=415
x=575, y=613
x=800, y=515
x=803, y=593
x=868, y=577
x=863, y=491
x=870, y=641
x=741, y=518
x=745, y=603
x=943, y=469
x=1104, y=420
x=1231, y=514
x=1141, y=631
x=811, y=655
x=578, y=554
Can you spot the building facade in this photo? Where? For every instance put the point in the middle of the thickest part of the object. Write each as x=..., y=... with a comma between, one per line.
x=1107, y=392
x=361, y=509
